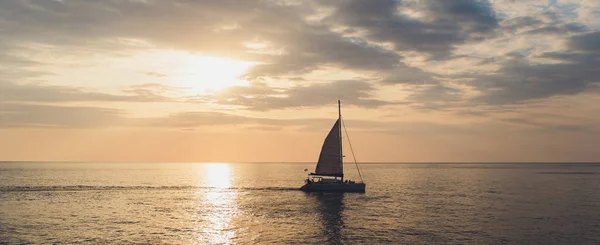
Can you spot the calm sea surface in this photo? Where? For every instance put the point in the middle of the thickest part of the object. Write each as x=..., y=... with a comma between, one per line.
x=246, y=203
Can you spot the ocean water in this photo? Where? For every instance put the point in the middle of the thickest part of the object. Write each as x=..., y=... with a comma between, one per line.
x=248, y=203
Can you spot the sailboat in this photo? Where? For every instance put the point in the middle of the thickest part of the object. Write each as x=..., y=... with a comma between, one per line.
x=329, y=173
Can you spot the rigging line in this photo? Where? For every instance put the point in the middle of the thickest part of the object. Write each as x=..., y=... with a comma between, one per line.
x=352, y=150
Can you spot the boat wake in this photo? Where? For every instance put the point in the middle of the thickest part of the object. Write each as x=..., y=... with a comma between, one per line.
x=127, y=188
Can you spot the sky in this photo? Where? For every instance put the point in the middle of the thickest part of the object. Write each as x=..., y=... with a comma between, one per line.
x=259, y=80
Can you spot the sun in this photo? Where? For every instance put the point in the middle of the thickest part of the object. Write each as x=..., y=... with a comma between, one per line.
x=209, y=74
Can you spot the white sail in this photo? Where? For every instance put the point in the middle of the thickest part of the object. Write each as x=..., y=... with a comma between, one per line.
x=330, y=159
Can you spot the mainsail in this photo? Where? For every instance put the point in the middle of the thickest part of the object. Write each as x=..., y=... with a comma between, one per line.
x=330, y=159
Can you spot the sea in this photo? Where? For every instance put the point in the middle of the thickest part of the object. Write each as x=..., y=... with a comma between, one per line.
x=259, y=203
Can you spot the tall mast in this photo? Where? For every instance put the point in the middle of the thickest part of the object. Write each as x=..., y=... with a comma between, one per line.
x=341, y=140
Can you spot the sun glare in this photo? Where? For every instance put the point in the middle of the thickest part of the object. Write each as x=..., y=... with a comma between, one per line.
x=206, y=74
x=218, y=204
x=217, y=175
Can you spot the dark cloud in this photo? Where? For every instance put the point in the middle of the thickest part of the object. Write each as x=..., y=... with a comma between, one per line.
x=312, y=49
x=446, y=24
x=586, y=42
x=474, y=15
x=520, y=82
x=573, y=58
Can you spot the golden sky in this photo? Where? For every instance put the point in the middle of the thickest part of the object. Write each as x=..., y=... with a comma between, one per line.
x=258, y=80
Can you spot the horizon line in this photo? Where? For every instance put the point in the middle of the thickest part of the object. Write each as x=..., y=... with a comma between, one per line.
x=309, y=162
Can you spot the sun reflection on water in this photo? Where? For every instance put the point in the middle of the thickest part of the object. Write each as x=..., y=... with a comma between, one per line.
x=218, y=175
x=218, y=205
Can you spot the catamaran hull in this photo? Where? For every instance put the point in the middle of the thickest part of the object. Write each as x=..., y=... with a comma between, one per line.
x=333, y=187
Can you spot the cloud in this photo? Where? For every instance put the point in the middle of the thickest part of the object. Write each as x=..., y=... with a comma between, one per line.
x=190, y=120
x=192, y=25
x=544, y=23
x=15, y=115
x=292, y=44
x=569, y=28
x=517, y=83
x=32, y=92
x=262, y=97
x=520, y=22
x=546, y=126
x=155, y=74
x=436, y=93
x=13, y=61
x=312, y=49
x=20, y=115
x=408, y=75
x=290, y=39
x=586, y=42
x=437, y=28
x=474, y=15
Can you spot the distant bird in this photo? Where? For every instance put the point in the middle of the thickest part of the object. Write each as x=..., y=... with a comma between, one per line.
x=306, y=169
